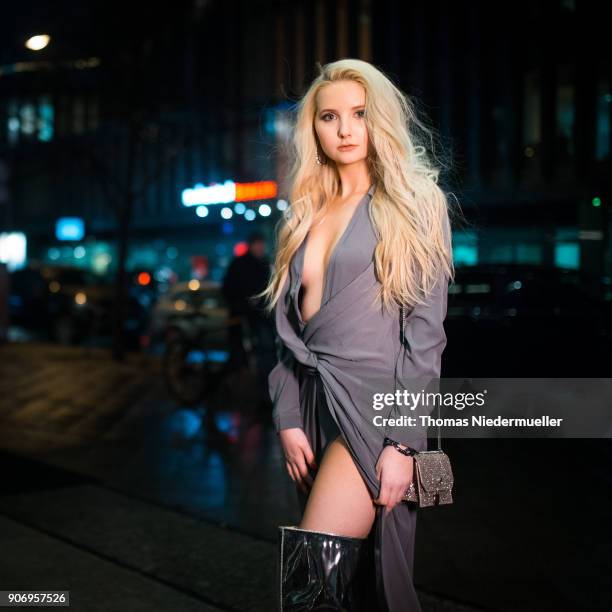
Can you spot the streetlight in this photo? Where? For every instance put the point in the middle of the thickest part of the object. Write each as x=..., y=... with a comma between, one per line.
x=38, y=42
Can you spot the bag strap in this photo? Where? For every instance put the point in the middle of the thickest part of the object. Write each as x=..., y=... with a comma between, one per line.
x=403, y=311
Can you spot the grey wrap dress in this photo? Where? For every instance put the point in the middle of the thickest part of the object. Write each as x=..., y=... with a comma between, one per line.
x=318, y=382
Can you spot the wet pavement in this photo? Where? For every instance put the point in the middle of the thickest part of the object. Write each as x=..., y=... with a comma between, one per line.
x=112, y=490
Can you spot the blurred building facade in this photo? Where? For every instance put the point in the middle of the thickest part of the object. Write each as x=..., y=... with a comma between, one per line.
x=521, y=96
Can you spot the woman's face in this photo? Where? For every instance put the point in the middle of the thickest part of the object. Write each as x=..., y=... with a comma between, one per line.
x=340, y=121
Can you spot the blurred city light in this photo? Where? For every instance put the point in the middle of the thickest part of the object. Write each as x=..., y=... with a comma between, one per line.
x=249, y=215
x=596, y=202
x=260, y=190
x=144, y=278
x=214, y=194
x=239, y=208
x=70, y=228
x=202, y=211
x=226, y=213
x=240, y=248
x=80, y=298
x=101, y=262
x=38, y=42
x=13, y=247
x=264, y=210
x=227, y=192
x=194, y=284
x=567, y=255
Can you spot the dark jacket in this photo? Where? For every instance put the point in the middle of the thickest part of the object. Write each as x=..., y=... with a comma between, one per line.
x=246, y=276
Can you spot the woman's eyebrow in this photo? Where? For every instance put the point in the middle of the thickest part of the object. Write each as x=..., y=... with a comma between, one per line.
x=333, y=110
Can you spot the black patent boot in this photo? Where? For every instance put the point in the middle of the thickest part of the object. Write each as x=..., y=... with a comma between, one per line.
x=315, y=570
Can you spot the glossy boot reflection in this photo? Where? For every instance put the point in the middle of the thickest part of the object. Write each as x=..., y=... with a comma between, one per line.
x=316, y=570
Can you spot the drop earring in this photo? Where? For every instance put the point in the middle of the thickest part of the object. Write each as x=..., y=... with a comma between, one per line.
x=320, y=160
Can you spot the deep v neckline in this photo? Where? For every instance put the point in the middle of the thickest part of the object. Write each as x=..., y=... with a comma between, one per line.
x=332, y=256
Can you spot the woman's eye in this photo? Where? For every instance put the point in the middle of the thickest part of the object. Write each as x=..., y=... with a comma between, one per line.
x=324, y=117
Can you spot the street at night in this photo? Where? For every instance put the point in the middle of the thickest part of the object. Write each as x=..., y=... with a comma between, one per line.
x=196, y=200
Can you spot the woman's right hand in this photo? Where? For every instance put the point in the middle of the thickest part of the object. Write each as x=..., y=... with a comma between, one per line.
x=298, y=456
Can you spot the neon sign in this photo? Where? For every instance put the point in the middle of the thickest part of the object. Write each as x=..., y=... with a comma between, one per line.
x=224, y=193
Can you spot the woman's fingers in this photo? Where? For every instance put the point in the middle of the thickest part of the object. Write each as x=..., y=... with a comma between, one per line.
x=390, y=496
x=383, y=495
x=298, y=471
x=292, y=472
x=303, y=470
x=309, y=456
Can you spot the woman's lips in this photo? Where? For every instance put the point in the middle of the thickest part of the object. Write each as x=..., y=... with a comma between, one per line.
x=346, y=147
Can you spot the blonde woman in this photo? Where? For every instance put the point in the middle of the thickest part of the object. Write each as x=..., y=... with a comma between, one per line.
x=367, y=231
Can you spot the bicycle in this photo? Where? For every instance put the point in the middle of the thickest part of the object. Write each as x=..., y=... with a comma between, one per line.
x=193, y=363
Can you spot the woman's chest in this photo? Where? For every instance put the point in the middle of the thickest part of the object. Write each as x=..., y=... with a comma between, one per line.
x=331, y=258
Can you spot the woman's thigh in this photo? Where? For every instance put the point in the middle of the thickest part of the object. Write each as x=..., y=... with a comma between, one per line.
x=339, y=501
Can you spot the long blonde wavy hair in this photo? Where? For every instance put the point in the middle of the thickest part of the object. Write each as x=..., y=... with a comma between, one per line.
x=409, y=209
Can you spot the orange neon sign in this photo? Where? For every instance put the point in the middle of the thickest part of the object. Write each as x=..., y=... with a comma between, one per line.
x=260, y=190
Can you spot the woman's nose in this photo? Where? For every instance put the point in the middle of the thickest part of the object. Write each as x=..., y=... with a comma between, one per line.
x=344, y=129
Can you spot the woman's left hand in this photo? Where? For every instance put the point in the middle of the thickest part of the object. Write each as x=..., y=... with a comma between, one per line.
x=394, y=472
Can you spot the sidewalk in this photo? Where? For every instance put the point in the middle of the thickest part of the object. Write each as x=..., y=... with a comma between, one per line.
x=528, y=530
x=115, y=552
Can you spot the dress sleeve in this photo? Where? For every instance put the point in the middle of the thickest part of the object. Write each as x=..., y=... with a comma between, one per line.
x=284, y=391
x=419, y=361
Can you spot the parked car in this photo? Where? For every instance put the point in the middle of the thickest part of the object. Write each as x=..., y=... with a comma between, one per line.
x=69, y=305
x=524, y=320
x=189, y=305
x=504, y=294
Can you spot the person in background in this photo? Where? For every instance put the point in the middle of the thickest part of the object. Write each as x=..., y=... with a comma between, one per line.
x=246, y=276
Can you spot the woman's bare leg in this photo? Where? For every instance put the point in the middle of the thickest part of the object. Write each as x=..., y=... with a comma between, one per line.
x=339, y=501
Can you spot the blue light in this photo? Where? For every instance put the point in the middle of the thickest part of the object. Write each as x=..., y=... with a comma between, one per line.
x=239, y=208
x=567, y=255
x=70, y=228
x=227, y=227
x=202, y=211
x=218, y=356
x=195, y=356
x=249, y=215
x=466, y=255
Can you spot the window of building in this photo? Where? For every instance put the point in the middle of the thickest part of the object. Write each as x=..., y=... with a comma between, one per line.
x=604, y=108
x=567, y=255
x=78, y=115
x=30, y=119
x=565, y=113
x=45, y=118
x=532, y=128
x=465, y=248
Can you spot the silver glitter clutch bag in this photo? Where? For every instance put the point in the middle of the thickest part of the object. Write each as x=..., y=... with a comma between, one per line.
x=432, y=482
x=434, y=479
